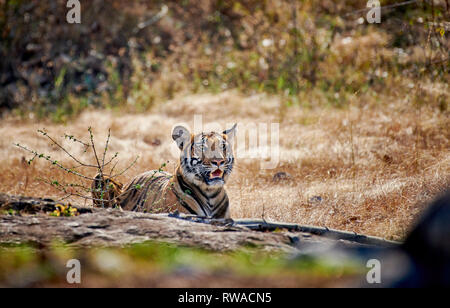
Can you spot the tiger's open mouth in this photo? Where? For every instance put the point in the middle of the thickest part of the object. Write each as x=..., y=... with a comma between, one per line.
x=216, y=174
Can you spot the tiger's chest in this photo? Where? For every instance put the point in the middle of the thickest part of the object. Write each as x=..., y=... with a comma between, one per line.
x=161, y=192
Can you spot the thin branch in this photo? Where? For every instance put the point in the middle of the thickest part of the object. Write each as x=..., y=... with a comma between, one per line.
x=76, y=193
x=95, y=151
x=100, y=168
x=72, y=138
x=44, y=133
x=126, y=169
x=64, y=198
x=112, y=158
x=106, y=148
x=54, y=162
x=114, y=167
x=79, y=189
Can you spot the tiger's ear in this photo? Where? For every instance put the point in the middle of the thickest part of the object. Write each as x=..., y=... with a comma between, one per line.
x=181, y=136
x=230, y=133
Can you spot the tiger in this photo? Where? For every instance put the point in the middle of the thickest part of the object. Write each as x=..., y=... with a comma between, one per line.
x=196, y=187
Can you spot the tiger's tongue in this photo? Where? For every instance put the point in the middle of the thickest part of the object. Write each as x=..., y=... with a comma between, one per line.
x=217, y=173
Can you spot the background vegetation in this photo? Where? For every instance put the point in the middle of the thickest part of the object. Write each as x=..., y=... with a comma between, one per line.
x=131, y=55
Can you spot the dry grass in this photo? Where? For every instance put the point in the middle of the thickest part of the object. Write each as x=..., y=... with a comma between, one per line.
x=374, y=166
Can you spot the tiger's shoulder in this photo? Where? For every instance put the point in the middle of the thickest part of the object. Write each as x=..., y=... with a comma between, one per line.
x=151, y=191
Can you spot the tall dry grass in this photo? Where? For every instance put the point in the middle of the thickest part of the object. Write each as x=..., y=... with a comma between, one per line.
x=369, y=168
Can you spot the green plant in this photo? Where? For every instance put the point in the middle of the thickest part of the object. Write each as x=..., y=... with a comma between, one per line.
x=9, y=212
x=64, y=211
x=105, y=169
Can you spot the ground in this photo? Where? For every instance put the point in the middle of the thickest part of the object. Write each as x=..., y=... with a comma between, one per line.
x=367, y=168
x=127, y=249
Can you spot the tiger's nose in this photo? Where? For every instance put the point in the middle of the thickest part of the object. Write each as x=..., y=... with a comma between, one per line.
x=218, y=162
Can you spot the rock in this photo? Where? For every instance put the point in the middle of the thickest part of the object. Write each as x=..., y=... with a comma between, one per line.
x=281, y=176
x=125, y=228
x=315, y=200
x=111, y=227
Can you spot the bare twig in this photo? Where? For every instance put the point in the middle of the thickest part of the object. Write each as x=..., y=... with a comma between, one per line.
x=100, y=167
x=54, y=162
x=72, y=138
x=44, y=133
x=63, y=188
x=126, y=169
x=112, y=169
x=106, y=148
x=95, y=151
x=79, y=189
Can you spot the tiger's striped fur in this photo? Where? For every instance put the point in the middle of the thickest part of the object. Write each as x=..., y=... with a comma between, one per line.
x=197, y=187
x=104, y=193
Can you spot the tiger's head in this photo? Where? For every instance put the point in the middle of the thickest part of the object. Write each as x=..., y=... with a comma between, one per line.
x=206, y=159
